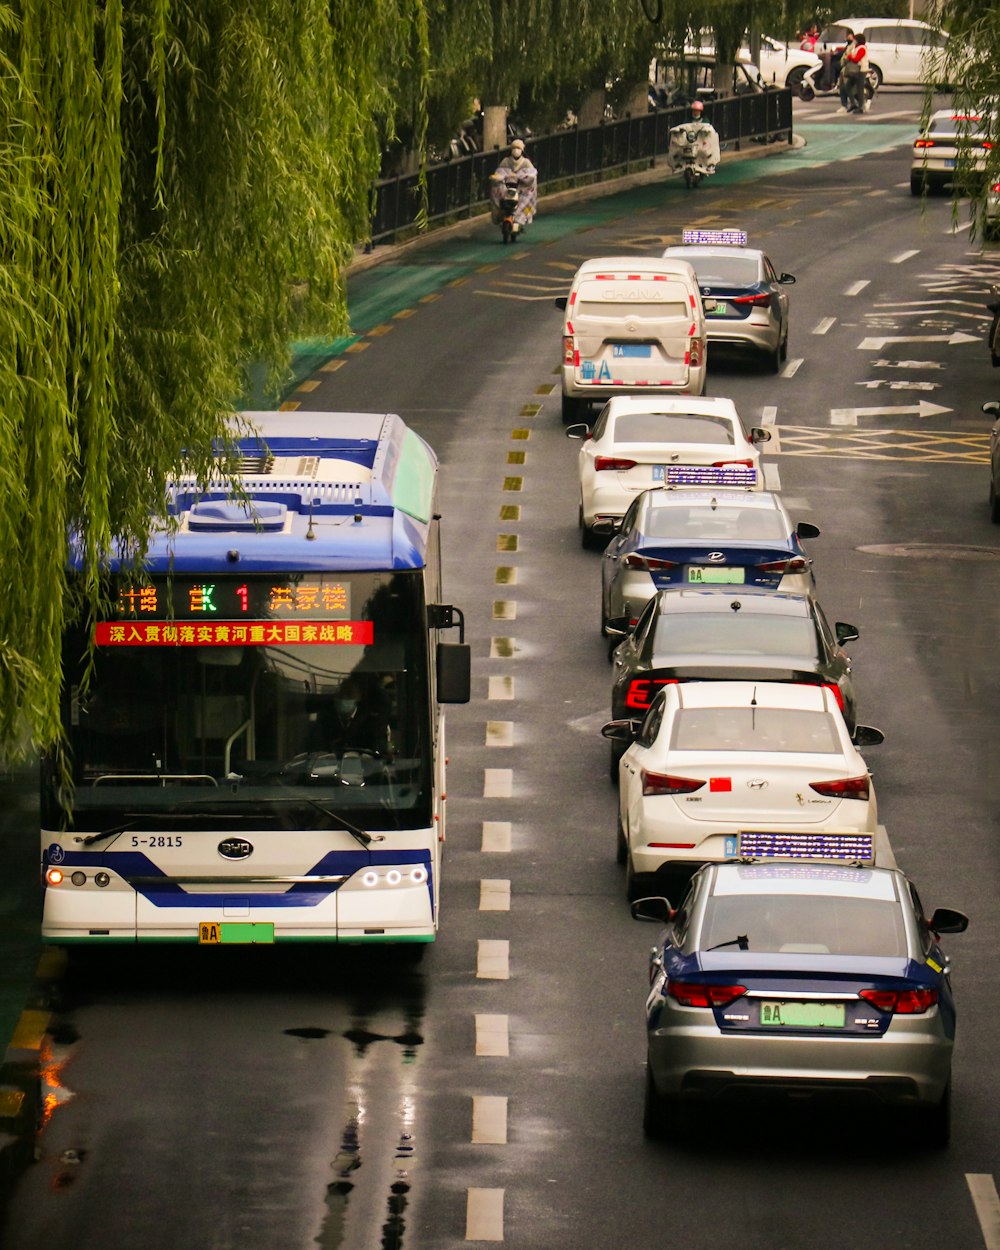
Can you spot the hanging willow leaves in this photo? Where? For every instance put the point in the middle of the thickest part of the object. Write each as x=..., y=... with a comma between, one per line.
x=182, y=183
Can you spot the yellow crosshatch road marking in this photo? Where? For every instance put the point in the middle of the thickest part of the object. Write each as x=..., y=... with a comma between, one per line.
x=942, y=446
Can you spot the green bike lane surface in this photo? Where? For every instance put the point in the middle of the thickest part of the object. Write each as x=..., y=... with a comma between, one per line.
x=393, y=279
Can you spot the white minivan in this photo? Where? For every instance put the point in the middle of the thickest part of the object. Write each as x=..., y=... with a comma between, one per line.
x=633, y=325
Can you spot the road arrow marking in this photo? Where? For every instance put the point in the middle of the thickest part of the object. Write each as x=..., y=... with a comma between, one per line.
x=849, y=416
x=876, y=345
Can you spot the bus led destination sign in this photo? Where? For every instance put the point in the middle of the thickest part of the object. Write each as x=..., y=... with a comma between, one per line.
x=304, y=598
x=233, y=633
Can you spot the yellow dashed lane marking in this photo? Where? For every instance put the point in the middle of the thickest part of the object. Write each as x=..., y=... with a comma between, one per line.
x=31, y=1028
x=331, y=366
x=308, y=387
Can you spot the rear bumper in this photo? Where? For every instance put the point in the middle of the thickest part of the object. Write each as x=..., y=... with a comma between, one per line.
x=908, y=1065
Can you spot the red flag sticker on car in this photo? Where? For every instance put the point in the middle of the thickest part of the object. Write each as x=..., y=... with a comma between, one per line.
x=720, y=783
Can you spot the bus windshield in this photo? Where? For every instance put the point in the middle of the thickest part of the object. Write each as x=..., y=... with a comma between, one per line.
x=286, y=700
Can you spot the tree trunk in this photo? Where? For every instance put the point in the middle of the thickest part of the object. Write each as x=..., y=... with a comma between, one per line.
x=494, y=126
x=637, y=100
x=592, y=107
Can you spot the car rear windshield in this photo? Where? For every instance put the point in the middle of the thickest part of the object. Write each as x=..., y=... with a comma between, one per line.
x=666, y=427
x=754, y=729
x=732, y=633
x=804, y=925
x=611, y=310
x=712, y=524
x=727, y=270
x=957, y=124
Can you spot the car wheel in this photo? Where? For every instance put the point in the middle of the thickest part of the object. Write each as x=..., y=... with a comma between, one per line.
x=656, y=1110
x=774, y=359
x=916, y=184
x=621, y=854
x=937, y=1121
x=636, y=883
x=794, y=80
x=573, y=409
x=877, y=73
x=994, y=501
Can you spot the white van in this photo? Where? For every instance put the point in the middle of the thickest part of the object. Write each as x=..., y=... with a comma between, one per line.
x=634, y=324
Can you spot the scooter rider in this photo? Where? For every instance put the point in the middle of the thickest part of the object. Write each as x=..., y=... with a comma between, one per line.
x=518, y=169
x=694, y=146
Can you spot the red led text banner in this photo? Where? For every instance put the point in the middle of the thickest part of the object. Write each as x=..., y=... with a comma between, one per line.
x=232, y=633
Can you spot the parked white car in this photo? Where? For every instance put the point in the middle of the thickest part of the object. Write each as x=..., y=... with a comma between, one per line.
x=901, y=51
x=721, y=770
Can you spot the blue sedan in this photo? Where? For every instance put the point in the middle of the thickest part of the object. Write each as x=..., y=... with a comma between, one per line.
x=701, y=538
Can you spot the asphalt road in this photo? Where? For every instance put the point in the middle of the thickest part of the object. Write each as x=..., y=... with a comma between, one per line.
x=264, y=1100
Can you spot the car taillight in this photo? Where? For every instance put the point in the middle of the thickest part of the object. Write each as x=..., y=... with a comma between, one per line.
x=758, y=301
x=570, y=356
x=648, y=564
x=924, y=143
x=640, y=691
x=901, y=1002
x=612, y=462
x=654, y=784
x=732, y=464
x=695, y=350
x=995, y=187
x=795, y=565
x=987, y=145
x=695, y=994
x=844, y=787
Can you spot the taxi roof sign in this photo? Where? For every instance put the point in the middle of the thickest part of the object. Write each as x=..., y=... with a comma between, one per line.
x=727, y=238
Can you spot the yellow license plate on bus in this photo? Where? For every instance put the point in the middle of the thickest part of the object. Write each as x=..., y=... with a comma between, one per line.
x=235, y=932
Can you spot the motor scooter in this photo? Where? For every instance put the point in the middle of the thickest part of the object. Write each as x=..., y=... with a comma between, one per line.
x=815, y=81
x=694, y=150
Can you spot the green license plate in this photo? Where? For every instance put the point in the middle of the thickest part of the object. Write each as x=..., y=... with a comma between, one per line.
x=802, y=1015
x=717, y=577
x=235, y=932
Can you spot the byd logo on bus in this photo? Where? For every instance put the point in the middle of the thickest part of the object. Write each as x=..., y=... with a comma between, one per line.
x=235, y=848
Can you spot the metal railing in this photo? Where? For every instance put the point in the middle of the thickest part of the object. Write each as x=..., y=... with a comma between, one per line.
x=460, y=188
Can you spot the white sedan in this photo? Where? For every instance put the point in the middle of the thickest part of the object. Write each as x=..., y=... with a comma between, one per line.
x=741, y=770
x=638, y=443
x=952, y=148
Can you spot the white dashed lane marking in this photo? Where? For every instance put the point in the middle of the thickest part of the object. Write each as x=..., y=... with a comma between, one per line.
x=489, y=1120
x=493, y=959
x=492, y=1037
x=498, y=783
x=496, y=837
x=857, y=287
x=484, y=1215
x=987, y=1204
x=494, y=895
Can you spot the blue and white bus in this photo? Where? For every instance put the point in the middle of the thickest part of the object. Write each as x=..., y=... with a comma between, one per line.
x=257, y=754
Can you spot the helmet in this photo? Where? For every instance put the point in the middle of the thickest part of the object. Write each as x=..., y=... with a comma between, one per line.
x=697, y=106
x=517, y=147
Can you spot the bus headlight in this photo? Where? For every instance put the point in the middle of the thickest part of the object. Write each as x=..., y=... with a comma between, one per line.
x=372, y=878
x=102, y=879
x=79, y=878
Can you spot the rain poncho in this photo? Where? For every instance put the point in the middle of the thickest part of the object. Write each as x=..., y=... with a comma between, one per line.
x=523, y=173
x=694, y=143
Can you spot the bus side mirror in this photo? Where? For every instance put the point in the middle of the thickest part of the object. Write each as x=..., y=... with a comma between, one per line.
x=454, y=672
x=560, y=302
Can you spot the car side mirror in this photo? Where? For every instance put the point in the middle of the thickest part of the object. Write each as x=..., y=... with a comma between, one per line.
x=867, y=736
x=845, y=632
x=617, y=627
x=806, y=529
x=560, y=302
x=787, y=279
x=760, y=435
x=579, y=431
x=607, y=525
x=944, y=920
x=621, y=730
x=992, y=407
x=657, y=910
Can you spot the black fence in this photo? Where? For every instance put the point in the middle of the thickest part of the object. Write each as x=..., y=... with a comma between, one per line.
x=460, y=188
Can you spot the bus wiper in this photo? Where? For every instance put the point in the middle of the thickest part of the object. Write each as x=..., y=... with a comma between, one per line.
x=742, y=942
x=91, y=838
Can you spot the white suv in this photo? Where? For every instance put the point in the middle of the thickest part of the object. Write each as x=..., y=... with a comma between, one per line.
x=901, y=51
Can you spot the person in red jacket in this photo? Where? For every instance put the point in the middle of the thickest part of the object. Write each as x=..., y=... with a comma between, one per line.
x=853, y=73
